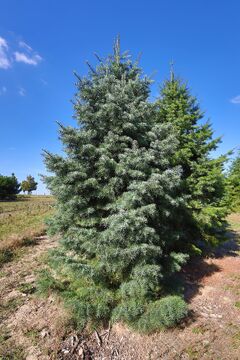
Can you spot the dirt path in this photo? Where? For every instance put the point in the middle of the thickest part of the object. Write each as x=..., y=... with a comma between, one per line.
x=33, y=328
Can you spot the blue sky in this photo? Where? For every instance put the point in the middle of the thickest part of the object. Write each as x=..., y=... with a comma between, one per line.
x=43, y=41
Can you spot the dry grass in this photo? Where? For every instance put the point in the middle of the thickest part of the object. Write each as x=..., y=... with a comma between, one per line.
x=21, y=221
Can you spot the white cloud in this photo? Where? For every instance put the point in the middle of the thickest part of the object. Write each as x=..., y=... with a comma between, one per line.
x=27, y=55
x=4, y=59
x=3, y=42
x=235, y=100
x=23, y=54
x=3, y=90
x=22, y=91
x=25, y=46
x=27, y=59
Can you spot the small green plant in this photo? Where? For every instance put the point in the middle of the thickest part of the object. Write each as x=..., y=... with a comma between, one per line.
x=27, y=288
x=6, y=255
x=192, y=353
x=237, y=304
x=236, y=340
x=4, y=335
x=198, y=330
x=33, y=335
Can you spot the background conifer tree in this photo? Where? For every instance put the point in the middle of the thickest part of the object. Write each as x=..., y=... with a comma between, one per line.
x=202, y=178
x=9, y=187
x=117, y=199
x=233, y=184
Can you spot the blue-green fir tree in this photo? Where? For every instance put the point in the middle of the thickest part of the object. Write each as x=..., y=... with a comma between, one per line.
x=202, y=217
x=117, y=198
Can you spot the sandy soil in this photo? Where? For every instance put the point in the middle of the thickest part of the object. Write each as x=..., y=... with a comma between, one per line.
x=33, y=328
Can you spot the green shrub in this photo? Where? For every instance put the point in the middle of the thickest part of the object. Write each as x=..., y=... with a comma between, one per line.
x=166, y=312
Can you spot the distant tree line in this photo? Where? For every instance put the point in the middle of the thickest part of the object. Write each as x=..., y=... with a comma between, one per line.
x=10, y=187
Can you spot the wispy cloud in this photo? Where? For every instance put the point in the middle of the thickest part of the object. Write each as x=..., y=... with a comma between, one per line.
x=23, y=53
x=22, y=91
x=3, y=90
x=5, y=62
x=27, y=59
x=25, y=46
x=235, y=100
x=27, y=55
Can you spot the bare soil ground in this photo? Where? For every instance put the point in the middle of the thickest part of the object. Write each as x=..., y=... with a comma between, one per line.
x=33, y=328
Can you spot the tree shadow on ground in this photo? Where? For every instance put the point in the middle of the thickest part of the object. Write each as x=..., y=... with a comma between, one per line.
x=193, y=274
x=189, y=281
x=200, y=267
x=230, y=247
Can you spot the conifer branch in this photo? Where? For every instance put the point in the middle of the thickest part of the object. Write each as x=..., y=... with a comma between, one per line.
x=116, y=49
x=46, y=152
x=77, y=76
x=98, y=57
x=90, y=67
x=137, y=61
x=60, y=125
x=171, y=71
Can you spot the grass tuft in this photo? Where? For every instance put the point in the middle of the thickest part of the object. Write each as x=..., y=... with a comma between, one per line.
x=237, y=304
